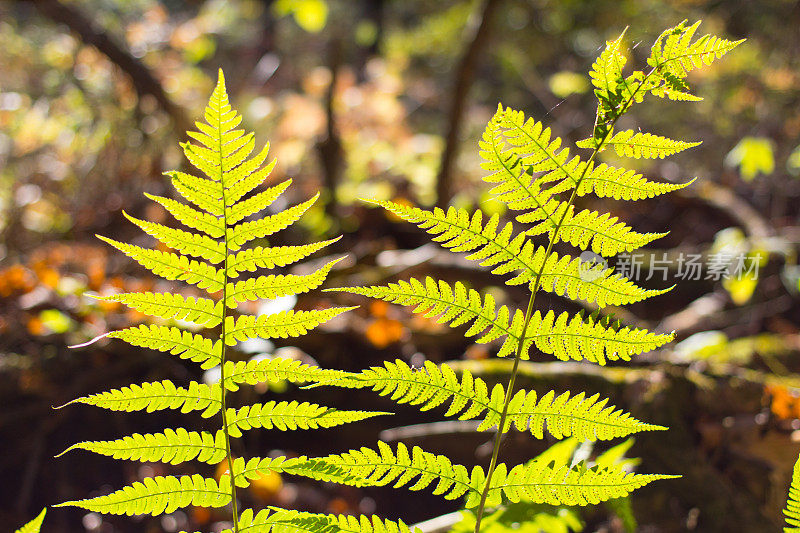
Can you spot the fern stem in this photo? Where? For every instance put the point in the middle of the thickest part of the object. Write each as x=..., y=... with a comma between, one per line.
x=223, y=351
x=529, y=312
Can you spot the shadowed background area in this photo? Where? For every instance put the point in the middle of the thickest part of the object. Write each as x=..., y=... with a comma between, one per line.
x=386, y=99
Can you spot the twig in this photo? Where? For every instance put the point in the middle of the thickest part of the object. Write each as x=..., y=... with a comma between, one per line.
x=143, y=80
x=464, y=75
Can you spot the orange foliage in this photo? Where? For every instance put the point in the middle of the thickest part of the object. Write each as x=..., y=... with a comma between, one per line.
x=785, y=403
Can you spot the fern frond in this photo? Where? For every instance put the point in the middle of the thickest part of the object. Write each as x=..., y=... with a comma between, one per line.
x=605, y=233
x=157, y=396
x=275, y=370
x=638, y=145
x=564, y=415
x=279, y=325
x=290, y=416
x=513, y=184
x=621, y=184
x=315, y=468
x=245, y=232
x=580, y=338
x=35, y=525
x=275, y=286
x=571, y=277
x=201, y=311
x=537, y=482
x=205, y=194
x=208, y=224
x=172, y=266
x=606, y=71
x=184, y=344
x=238, y=188
x=254, y=258
x=183, y=241
x=457, y=305
x=792, y=510
x=158, y=495
x=675, y=53
x=287, y=520
x=385, y=466
x=255, y=203
x=459, y=232
x=173, y=446
x=564, y=337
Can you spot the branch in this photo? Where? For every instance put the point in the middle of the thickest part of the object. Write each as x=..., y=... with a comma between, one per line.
x=143, y=80
x=463, y=81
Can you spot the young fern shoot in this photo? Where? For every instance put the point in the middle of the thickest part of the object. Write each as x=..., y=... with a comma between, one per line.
x=535, y=176
x=213, y=258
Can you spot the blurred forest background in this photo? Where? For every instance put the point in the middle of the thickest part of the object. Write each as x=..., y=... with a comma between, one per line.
x=386, y=99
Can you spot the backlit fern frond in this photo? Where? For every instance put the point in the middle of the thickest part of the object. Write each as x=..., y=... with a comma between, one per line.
x=275, y=370
x=621, y=184
x=285, y=521
x=172, y=266
x=157, y=396
x=159, y=495
x=564, y=337
x=605, y=233
x=533, y=172
x=508, y=253
x=277, y=326
x=536, y=482
x=792, y=510
x=638, y=145
x=221, y=219
x=35, y=525
x=469, y=397
x=290, y=416
x=184, y=344
x=563, y=485
x=201, y=311
x=172, y=446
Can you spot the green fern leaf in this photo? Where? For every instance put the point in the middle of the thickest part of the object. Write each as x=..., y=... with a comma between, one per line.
x=638, y=145
x=561, y=485
x=434, y=385
x=792, y=510
x=385, y=466
x=158, y=495
x=457, y=306
x=605, y=233
x=506, y=254
x=245, y=232
x=290, y=416
x=189, y=243
x=255, y=203
x=35, y=525
x=184, y=344
x=622, y=184
x=208, y=224
x=675, y=53
x=275, y=286
x=258, y=257
x=275, y=370
x=173, y=446
x=201, y=311
x=157, y=396
x=279, y=325
x=315, y=468
x=203, y=193
x=286, y=520
x=172, y=266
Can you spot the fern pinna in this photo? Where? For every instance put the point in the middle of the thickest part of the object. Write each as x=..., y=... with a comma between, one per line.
x=531, y=171
x=213, y=259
